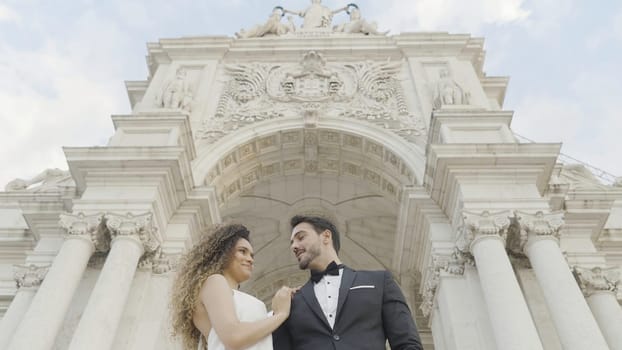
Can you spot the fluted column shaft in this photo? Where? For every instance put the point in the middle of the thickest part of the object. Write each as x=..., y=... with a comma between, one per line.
x=571, y=315
x=509, y=315
x=101, y=317
x=44, y=318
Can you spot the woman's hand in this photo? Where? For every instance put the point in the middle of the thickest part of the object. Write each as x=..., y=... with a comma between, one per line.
x=282, y=301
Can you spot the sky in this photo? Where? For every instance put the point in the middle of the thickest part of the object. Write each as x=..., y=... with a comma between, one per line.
x=63, y=65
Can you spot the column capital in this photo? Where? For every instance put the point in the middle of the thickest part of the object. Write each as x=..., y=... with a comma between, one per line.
x=597, y=279
x=139, y=226
x=481, y=224
x=29, y=276
x=442, y=265
x=90, y=227
x=540, y=223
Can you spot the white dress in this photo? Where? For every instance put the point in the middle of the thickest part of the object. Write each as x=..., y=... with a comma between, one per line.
x=249, y=309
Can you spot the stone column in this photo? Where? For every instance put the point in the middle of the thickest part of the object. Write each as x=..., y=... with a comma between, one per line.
x=511, y=321
x=28, y=279
x=155, y=314
x=600, y=286
x=131, y=237
x=44, y=318
x=571, y=315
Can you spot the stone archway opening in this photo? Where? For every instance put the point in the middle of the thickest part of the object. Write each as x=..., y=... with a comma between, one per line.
x=355, y=181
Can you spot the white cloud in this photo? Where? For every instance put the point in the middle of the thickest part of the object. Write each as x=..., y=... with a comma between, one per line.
x=445, y=15
x=39, y=116
x=60, y=94
x=547, y=17
x=8, y=15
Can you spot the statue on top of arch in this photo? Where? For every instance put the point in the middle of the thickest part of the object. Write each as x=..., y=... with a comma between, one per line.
x=316, y=18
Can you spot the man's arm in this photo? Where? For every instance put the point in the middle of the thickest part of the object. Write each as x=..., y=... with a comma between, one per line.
x=397, y=320
x=281, y=339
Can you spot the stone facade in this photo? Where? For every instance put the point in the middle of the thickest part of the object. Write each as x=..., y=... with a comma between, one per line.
x=402, y=139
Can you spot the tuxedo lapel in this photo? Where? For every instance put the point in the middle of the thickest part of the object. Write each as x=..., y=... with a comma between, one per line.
x=346, y=283
x=309, y=296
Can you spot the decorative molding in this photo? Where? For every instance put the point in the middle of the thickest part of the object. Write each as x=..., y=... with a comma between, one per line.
x=87, y=225
x=597, y=279
x=368, y=91
x=29, y=275
x=482, y=224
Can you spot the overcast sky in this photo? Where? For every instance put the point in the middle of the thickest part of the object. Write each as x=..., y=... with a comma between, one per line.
x=63, y=64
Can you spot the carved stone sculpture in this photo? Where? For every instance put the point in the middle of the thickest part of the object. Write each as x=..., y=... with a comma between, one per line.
x=47, y=180
x=357, y=24
x=368, y=91
x=448, y=92
x=176, y=93
x=316, y=15
x=272, y=26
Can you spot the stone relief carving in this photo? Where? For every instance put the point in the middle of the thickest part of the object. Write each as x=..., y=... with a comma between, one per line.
x=176, y=93
x=29, y=275
x=448, y=92
x=317, y=20
x=597, y=279
x=368, y=91
x=47, y=180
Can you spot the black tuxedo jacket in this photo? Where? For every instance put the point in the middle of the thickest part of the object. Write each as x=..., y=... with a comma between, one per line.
x=371, y=309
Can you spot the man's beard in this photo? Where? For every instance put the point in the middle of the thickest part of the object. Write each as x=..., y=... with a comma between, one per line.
x=310, y=254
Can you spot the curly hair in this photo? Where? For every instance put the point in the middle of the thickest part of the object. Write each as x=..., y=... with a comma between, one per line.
x=209, y=256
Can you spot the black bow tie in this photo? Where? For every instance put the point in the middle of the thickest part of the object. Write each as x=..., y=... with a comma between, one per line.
x=331, y=269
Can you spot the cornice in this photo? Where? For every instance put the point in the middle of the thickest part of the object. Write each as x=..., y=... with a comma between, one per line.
x=132, y=161
x=158, y=120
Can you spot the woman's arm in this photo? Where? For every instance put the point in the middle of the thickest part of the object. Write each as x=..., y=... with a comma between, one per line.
x=217, y=297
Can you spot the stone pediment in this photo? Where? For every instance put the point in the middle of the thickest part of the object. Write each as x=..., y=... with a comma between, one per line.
x=368, y=91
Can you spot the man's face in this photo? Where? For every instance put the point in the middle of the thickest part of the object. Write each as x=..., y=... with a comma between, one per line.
x=306, y=245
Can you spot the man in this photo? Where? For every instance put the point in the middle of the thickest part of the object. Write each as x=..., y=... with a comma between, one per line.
x=340, y=308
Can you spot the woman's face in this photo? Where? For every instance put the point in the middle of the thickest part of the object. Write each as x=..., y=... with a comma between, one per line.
x=240, y=265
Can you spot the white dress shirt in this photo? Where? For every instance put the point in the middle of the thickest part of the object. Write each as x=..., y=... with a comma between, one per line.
x=327, y=294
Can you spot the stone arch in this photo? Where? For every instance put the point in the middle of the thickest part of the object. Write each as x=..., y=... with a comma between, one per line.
x=263, y=176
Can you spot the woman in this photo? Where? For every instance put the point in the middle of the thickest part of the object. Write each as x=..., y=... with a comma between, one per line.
x=207, y=305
